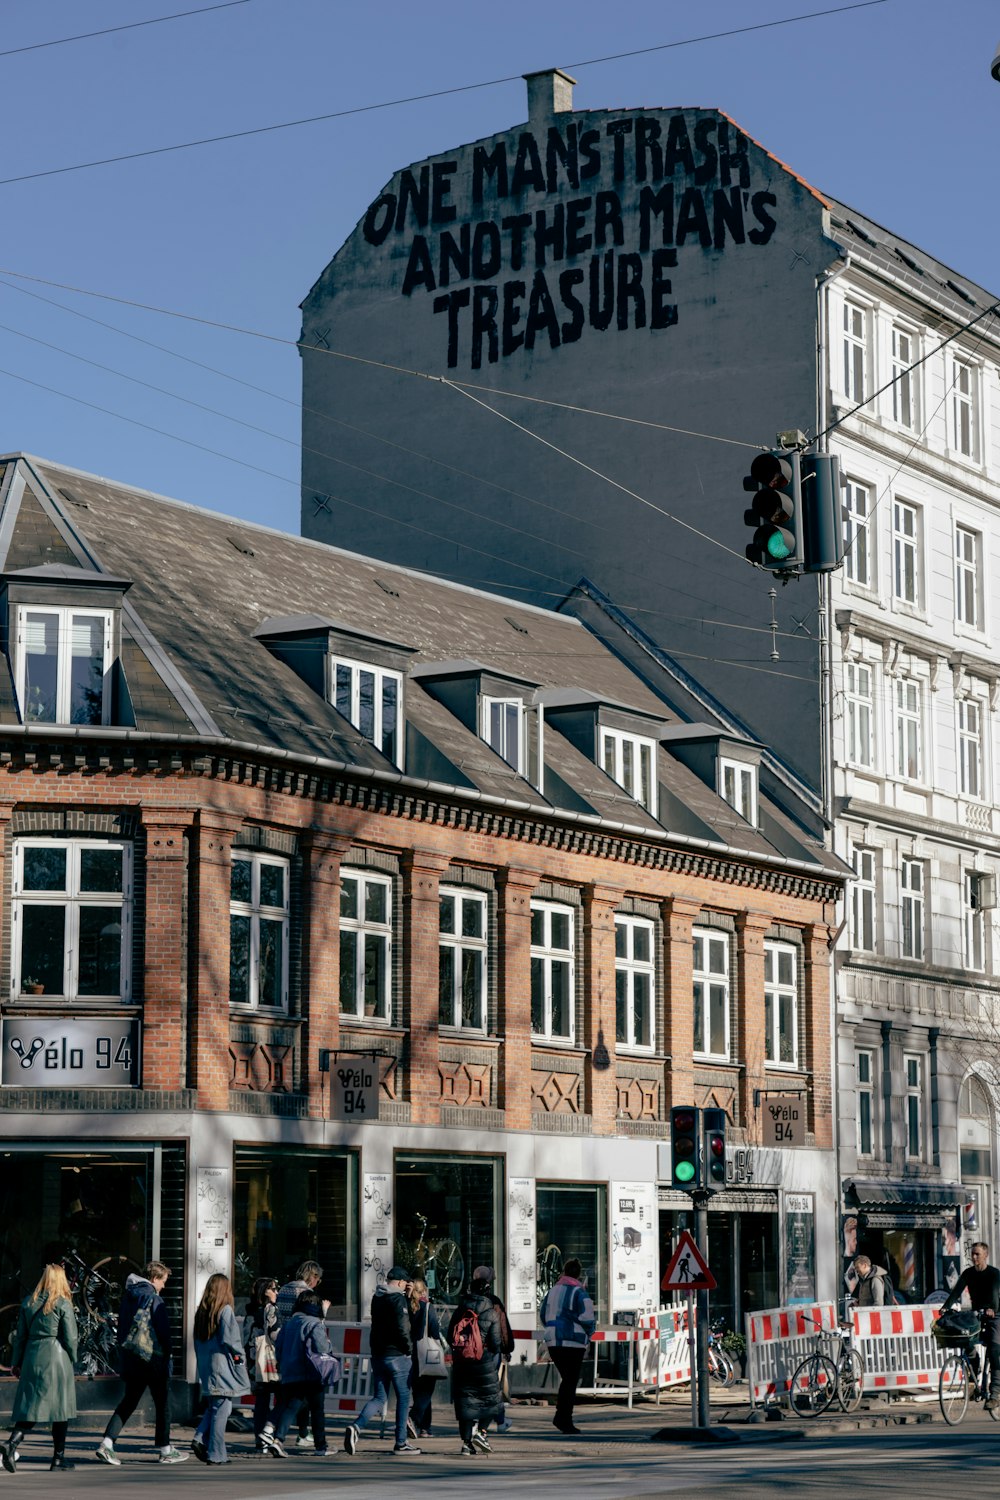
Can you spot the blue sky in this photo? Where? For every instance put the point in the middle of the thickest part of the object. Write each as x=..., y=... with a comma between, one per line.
x=890, y=108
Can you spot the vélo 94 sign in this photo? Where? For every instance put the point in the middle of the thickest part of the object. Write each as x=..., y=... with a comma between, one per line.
x=784, y=1121
x=51, y=1051
x=354, y=1088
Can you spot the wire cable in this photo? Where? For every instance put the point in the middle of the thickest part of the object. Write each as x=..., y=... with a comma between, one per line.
x=465, y=88
x=85, y=36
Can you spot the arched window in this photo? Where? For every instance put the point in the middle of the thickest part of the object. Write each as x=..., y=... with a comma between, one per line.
x=975, y=1129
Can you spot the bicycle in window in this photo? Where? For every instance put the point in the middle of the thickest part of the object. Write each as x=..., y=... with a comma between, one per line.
x=824, y=1376
x=965, y=1374
x=439, y=1263
x=96, y=1292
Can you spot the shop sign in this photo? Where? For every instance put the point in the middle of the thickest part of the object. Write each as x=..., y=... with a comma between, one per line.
x=634, y=1247
x=521, y=1246
x=800, y=1245
x=55, y=1052
x=354, y=1088
x=784, y=1121
x=212, y=1224
x=376, y=1232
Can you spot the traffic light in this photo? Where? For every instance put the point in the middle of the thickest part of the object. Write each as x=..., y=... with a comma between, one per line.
x=822, y=513
x=684, y=1148
x=713, y=1124
x=775, y=512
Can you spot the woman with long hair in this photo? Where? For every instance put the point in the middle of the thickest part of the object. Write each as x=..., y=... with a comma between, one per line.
x=221, y=1367
x=261, y=1323
x=42, y=1355
x=423, y=1320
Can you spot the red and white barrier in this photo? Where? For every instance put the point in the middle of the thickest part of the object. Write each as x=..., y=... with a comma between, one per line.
x=897, y=1348
x=777, y=1340
x=668, y=1362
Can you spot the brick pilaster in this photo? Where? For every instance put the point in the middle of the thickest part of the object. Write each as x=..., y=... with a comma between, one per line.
x=601, y=1084
x=679, y=917
x=817, y=1001
x=750, y=929
x=514, y=891
x=165, y=959
x=422, y=872
x=319, y=1002
x=208, y=1037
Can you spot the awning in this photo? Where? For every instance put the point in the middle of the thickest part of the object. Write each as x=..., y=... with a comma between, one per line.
x=905, y=1205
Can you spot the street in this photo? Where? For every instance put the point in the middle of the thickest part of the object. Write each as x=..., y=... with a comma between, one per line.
x=614, y=1457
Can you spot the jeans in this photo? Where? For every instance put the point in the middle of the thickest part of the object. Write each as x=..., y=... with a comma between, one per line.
x=388, y=1370
x=568, y=1360
x=137, y=1375
x=212, y=1428
x=291, y=1398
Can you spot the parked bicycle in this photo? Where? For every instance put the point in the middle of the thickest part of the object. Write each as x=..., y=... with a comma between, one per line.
x=820, y=1378
x=720, y=1362
x=439, y=1263
x=97, y=1293
x=965, y=1374
x=548, y=1268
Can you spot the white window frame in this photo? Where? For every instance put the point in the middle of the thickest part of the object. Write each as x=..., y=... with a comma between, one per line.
x=906, y=553
x=780, y=996
x=855, y=351
x=865, y=1093
x=968, y=577
x=461, y=945
x=904, y=378
x=858, y=551
x=713, y=942
x=254, y=910
x=909, y=715
x=73, y=899
x=381, y=676
x=738, y=787
x=549, y=956
x=514, y=754
x=627, y=968
x=965, y=407
x=970, y=714
x=64, y=617
x=912, y=892
x=859, y=715
x=913, y=1078
x=974, y=933
x=365, y=927
x=864, y=902
x=619, y=742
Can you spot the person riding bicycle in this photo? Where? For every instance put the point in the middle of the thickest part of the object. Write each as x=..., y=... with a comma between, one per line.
x=982, y=1282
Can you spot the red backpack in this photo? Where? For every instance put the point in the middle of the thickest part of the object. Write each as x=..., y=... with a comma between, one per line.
x=466, y=1337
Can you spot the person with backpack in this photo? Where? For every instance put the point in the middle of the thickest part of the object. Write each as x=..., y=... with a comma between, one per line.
x=392, y=1361
x=260, y=1328
x=568, y=1317
x=301, y=1345
x=144, y=1350
x=868, y=1285
x=475, y=1342
x=483, y=1278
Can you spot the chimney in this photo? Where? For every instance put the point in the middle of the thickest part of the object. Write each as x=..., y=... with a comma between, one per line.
x=550, y=92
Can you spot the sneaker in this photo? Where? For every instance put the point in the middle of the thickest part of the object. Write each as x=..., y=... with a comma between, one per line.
x=303, y=1443
x=481, y=1441
x=107, y=1455
x=199, y=1450
x=505, y=1426
x=351, y=1436
x=322, y=1452
x=272, y=1444
x=167, y=1456
x=467, y=1450
x=406, y=1448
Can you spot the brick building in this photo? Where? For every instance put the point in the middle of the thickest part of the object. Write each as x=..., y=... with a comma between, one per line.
x=273, y=811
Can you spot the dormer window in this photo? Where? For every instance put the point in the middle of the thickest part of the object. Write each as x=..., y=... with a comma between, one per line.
x=370, y=697
x=62, y=661
x=738, y=787
x=503, y=729
x=629, y=760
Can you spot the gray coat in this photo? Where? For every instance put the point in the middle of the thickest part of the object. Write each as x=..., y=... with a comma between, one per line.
x=44, y=1348
x=218, y=1373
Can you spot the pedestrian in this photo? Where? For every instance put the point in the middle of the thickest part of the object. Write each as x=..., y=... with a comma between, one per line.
x=474, y=1339
x=869, y=1285
x=144, y=1351
x=306, y=1279
x=260, y=1328
x=485, y=1276
x=568, y=1318
x=423, y=1324
x=392, y=1360
x=982, y=1282
x=301, y=1383
x=221, y=1367
x=42, y=1356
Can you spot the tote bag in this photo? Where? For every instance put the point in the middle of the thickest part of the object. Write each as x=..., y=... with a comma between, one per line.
x=265, y=1361
x=430, y=1359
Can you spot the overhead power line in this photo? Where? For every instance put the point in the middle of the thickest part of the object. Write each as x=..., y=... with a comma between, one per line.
x=465, y=88
x=85, y=36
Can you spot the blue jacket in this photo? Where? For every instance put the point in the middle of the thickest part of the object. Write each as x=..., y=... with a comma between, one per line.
x=217, y=1370
x=568, y=1314
x=294, y=1365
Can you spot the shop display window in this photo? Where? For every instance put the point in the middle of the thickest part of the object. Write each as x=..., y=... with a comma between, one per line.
x=293, y=1205
x=448, y=1220
x=572, y=1220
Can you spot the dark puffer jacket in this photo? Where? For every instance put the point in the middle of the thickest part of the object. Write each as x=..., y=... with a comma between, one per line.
x=475, y=1386
x=142, y=1293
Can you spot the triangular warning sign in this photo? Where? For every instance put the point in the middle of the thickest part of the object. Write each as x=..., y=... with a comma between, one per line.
x=687, y=1271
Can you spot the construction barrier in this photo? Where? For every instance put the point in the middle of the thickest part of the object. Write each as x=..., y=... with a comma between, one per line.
x=777, y=1340
x=897, y=1348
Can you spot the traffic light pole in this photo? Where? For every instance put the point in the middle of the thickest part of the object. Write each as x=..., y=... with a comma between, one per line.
x=700, y=1200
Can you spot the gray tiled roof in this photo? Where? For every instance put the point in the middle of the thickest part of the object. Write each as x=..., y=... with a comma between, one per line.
x=203, y=584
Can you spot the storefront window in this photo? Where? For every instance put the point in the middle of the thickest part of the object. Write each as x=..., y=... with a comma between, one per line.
x=573, y=1221
x=448, y=1220
x=290, y=1206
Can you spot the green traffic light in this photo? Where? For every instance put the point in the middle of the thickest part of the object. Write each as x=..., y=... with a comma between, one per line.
x=778, y=545
x=684, y=1171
